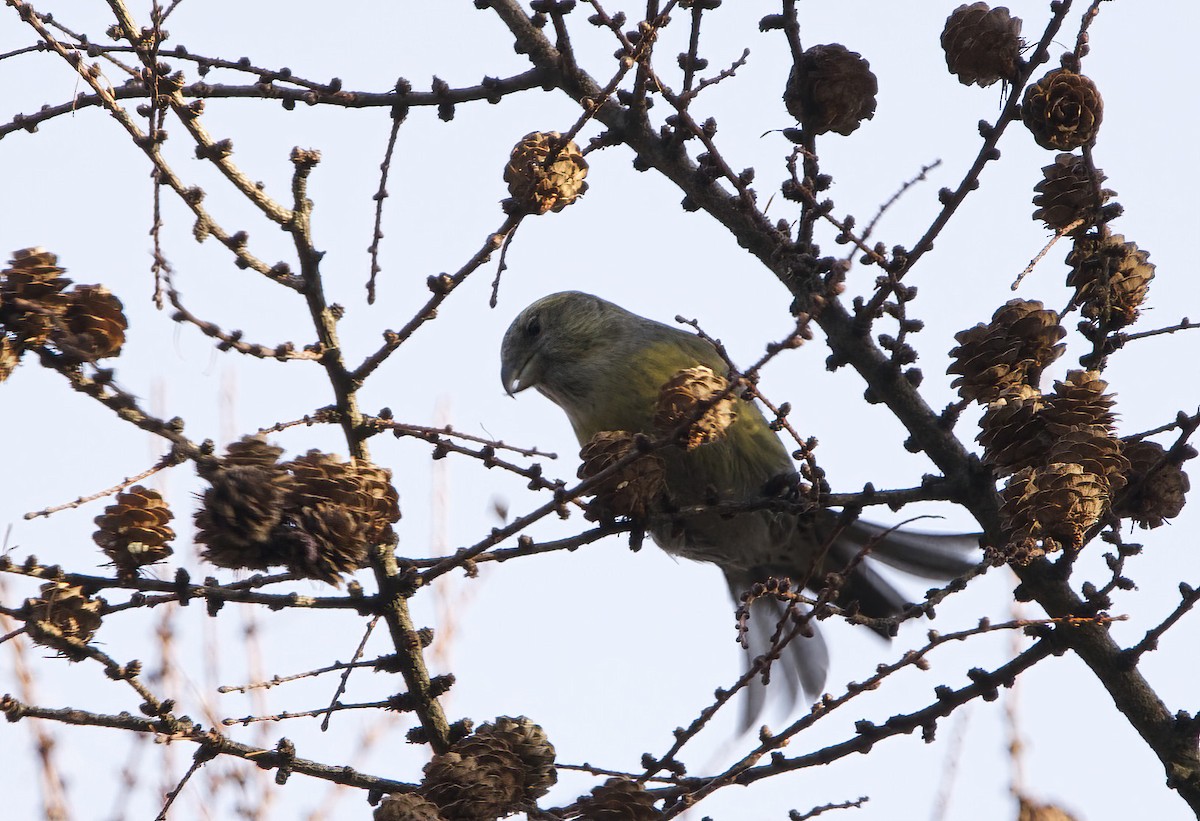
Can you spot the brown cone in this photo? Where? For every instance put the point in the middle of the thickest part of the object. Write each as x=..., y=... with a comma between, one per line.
x=252, y=451
x=1070, y=191
x=633, y=490
x=62, y=611
x=536, y=188
x=240, y=512
x=363, y=489
x=1157, y=486
x=524, y=738
x=1054, y=505
x=832, y=89
x=93, y=326
x=323, y=541
x=406, y=806
x=982, y=44
x=1094, y=449
x=1110, y=277
x=618, y=799
x=31, y=298
x=315, y=515
x=10, y=355
x=679, y=401
x=1011, y=350
x=134, y=531
x=1033, y=811
x=1079, y=400
x=1012, y=431
x=474, y=788
x=1062, y=110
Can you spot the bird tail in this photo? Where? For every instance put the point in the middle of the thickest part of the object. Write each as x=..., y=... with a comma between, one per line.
x=940, y=556
x=802, y=663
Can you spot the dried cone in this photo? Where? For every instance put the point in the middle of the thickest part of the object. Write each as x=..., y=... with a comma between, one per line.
x=134, y=531
x=1157, y=486
x=315, y=515
x=62, y=611
x=982, y=44
x=252, y=451
x=618, y=799
x=1055, y=505
x=633, y=490
x=364, y=489
x=1079, y=401
x=537, y=188
x=1011, y=350
x=31, y=298
x=474, y=788
x=1070, y=192
x=323, y=541
x=1012, y=431
x=524, y=738
x=1062, y=110
x=1094, y=449
x=244, y=506
x=406, y=807
x=831, y=89
x=679, y=401
x=1110, y=277
x=93, y=326
x=335, y=511
x=1033, y=811
x=10, y=355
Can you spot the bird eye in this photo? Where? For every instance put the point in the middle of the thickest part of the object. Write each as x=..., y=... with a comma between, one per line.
x=533, y=327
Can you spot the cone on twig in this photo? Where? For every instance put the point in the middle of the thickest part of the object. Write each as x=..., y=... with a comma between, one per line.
x=633, y=490
x=1062, y=110
x=618, y=799
x=10, y=355
x=538, y=186
x=831, y=89
x=1012, y=431
x=62, y=615
x=1157, y=484
x=491, y=773
x=679, y=401
x=31, y=296
x=244, y=506
x=1096, y=450
x=1070, y=192
x=134, y=532
x=982, y=44
x=1031, y=810
x=406, y=806
x=1111, y=278
x=1079, y=400
x=1050, y=507
x=1022, y=338
x=315, y=515
x=92, y=327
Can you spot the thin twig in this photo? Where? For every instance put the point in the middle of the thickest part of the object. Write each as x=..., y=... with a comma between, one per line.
x=341, y=688
x=198, y=761
x=1059, y=234
x=399, y=113
x=172, y=457
x=1189, y=597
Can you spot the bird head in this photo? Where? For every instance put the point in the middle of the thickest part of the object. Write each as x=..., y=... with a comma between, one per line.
x=555, y=344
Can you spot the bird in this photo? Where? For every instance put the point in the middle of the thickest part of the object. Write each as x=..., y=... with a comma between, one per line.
x=604, y=367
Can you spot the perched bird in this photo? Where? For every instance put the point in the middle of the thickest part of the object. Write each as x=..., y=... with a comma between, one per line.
x=605, y=367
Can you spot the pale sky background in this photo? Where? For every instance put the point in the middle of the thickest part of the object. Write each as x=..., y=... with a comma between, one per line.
x=608, y=650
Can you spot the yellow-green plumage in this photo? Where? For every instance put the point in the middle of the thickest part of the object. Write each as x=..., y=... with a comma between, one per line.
x=605, y=367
